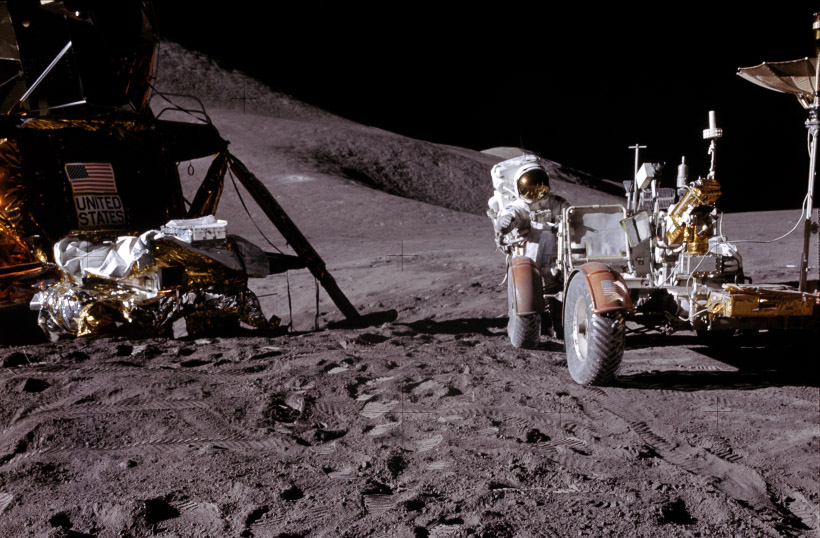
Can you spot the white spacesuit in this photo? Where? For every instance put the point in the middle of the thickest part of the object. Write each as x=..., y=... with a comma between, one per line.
x=525, y=216
x=526, y=209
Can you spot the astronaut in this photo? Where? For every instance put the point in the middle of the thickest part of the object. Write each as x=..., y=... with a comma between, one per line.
x=526, y=214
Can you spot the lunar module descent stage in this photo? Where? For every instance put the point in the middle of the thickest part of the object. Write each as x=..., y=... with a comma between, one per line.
x=84, y=159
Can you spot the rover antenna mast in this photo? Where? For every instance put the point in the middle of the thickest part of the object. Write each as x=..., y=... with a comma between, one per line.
x=712, y=134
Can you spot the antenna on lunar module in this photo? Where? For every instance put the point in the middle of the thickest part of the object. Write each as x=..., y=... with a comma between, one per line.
x=799, y=78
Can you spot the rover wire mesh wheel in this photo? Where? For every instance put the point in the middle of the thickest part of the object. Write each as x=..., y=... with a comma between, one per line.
x=594, y=342
x=524, y=331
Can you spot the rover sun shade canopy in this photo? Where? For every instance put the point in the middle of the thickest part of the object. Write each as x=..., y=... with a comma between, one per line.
x=796, y=77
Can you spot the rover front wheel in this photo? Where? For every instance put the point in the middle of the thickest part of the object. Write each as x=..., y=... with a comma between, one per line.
x=524, y=331
x=594, y=342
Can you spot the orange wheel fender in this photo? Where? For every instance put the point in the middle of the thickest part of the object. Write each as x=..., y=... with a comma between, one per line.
x=528, y=286
x=606, y=287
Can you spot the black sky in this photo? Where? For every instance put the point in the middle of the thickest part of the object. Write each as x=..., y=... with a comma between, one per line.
x=578, y=84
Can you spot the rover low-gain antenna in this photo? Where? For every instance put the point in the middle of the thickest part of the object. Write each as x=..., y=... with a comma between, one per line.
x=798, y=78
x=712, y=134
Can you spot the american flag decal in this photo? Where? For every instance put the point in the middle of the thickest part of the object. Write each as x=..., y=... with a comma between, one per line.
x=91, y=178
x=609, y=288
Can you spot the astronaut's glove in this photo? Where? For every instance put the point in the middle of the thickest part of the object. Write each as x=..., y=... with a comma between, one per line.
x=504, y=223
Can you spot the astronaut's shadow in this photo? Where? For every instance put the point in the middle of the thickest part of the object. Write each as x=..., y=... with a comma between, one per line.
x=491, y=327
x=462, y=326
x=550, y=345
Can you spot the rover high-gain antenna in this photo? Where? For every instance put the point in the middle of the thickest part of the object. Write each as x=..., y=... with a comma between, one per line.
x=798, y=78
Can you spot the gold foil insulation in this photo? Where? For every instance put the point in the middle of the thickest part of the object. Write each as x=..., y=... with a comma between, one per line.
x=207, y=286
x=21, y=205
x=22, y=263
x=18, y=286
x=684, y=225
x=17, y=221
x=753, y=302
x=85, y=124
x=696, y=243
x=15, y=249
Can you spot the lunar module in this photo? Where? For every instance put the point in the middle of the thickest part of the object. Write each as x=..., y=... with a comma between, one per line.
x=85, y=163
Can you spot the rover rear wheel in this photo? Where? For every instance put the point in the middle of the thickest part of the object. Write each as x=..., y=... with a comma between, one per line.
x=594, y=342
x=524, y=331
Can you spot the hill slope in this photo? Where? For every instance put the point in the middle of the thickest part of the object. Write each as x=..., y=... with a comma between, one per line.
x=455, y=178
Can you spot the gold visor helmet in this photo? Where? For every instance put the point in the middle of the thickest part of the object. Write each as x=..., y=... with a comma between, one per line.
x=533, y=184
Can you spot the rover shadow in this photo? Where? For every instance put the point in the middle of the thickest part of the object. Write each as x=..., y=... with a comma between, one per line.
x=654, y=339
x=761, y=359
x=695, y=381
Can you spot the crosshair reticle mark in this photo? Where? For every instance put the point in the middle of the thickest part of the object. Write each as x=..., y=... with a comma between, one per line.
x=718, y=408
x=401, y=256
x=244, y=98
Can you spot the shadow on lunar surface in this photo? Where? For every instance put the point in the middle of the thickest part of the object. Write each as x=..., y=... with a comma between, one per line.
x=371, y=319
x=483, y=326
x=654, y=339
x=691, y=381
x=762, y=359
x=794, y=365
x=20, y=328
